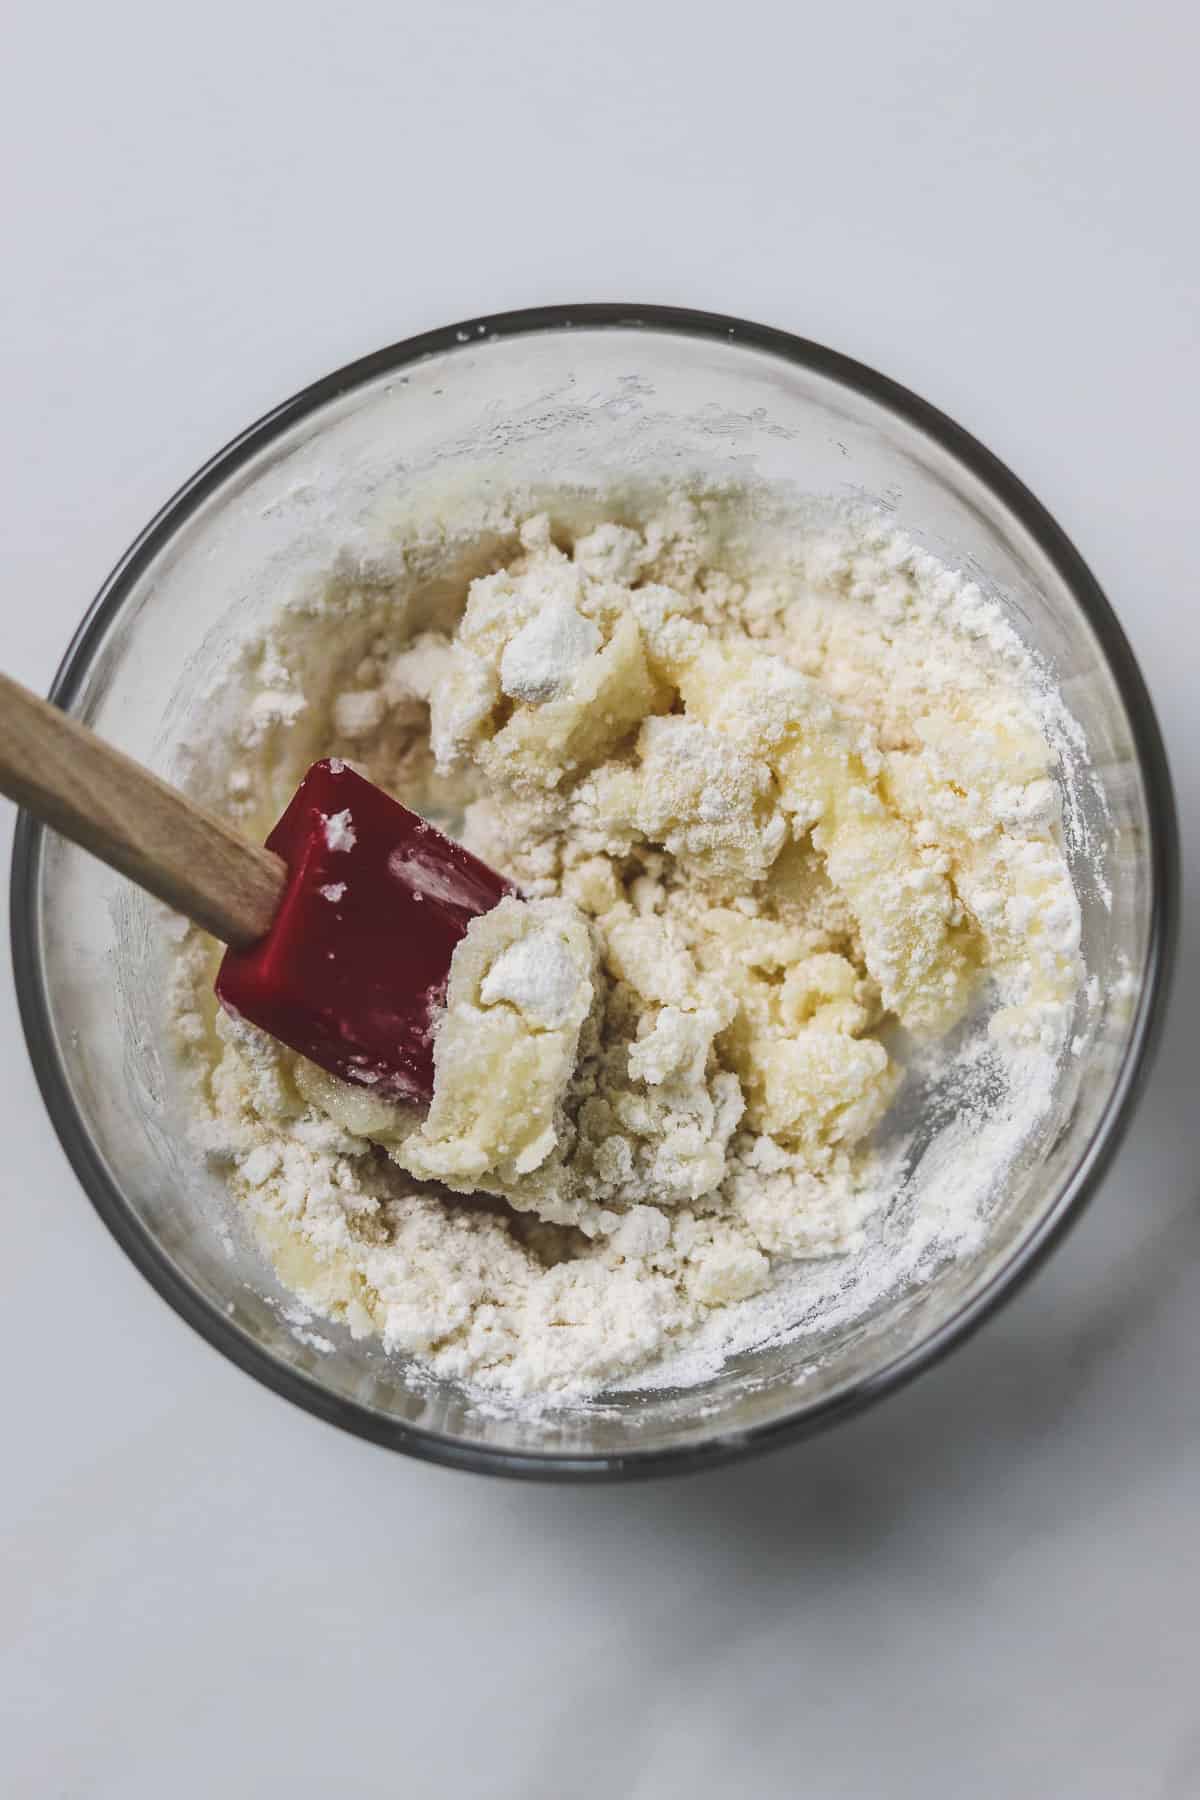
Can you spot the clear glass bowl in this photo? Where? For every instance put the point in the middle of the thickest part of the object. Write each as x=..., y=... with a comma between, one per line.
x=585, y=391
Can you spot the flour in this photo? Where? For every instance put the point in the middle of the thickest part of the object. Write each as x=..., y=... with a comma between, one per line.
x=536, y=974
x=759, y=812
x=339, y=831
x=538, y=663
x=358, y=713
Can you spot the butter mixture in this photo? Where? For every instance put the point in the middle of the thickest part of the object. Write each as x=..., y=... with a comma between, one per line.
x=772, y=823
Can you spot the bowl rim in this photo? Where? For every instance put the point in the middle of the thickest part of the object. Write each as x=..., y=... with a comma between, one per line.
x=1163, y=851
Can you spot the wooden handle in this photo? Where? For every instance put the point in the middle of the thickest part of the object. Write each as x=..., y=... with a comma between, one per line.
x=110, y=805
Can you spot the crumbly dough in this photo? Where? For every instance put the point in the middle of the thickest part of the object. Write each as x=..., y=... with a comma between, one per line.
x=521, y=986
x=755, y=821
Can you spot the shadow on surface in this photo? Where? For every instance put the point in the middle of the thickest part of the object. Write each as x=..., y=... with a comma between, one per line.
x=1018, y=1393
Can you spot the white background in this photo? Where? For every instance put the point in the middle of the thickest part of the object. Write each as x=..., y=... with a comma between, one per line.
x=989, y=1586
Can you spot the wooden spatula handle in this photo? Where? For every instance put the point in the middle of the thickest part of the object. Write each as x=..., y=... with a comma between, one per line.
x=120, y=812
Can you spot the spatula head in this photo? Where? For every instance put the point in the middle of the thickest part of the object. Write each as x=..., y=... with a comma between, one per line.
x=353, y=970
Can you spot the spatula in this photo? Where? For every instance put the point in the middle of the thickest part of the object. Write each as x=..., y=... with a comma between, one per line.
x=340, y=928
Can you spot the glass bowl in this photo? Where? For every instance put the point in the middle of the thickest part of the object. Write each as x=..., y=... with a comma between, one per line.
x=583, y=390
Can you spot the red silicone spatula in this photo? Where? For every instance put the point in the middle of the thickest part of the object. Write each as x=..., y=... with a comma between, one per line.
x=340, y=928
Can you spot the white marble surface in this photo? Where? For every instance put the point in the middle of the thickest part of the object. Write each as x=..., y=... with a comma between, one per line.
x=989, y=1586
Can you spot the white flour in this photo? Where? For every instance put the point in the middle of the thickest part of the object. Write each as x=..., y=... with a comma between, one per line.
x=536, y=976
x=538, y=663
x=339, y=831
x=762, y=810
